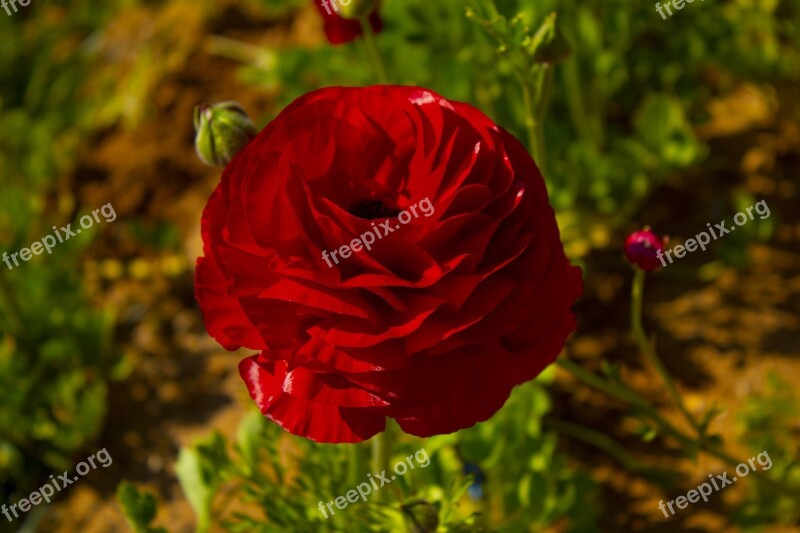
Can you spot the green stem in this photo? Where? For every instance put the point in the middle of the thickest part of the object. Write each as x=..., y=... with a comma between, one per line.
x=625, y=394
x=588, y=126
x=536, y=91
x=598, y=440
x=530, y=120
x=355, y=468
x=541, y=112
x=382, y=449
x=629, y=396
x=777, y=486
x=646, y=347
x=242, y=52
x=371, y=47
x=574, y=99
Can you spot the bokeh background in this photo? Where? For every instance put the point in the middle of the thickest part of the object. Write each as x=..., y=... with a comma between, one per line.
x=669, y=123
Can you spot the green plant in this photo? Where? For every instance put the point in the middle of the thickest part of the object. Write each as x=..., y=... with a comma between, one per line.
x=54, y=367
x=769, y=421
x=286, y=477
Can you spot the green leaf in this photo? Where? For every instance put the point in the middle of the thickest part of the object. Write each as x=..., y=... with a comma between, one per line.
x=138, y=507
x=248, y=435
x=662, y=124
x=198, y=485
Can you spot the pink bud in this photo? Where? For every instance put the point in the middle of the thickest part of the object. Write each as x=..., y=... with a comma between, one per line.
x=642, y=249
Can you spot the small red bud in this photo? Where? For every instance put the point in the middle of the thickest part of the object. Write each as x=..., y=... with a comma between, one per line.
x=642, y=249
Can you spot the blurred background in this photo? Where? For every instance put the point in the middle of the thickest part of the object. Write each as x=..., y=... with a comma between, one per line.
x=670, y=123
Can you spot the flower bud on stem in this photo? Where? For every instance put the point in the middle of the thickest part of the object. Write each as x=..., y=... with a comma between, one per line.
x=222, y=130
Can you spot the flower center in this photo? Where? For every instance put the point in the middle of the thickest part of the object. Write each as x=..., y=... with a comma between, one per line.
x=371, y=209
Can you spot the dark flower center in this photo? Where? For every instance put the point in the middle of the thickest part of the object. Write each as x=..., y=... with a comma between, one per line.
x=371, y=209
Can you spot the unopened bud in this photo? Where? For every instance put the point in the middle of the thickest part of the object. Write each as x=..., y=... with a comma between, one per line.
x=421, y=517
x=222, y=130
x=644, y=248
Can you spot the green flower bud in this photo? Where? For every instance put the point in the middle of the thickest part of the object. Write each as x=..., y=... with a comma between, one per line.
x=222, y=130
x=421, y=517
x=356, y=9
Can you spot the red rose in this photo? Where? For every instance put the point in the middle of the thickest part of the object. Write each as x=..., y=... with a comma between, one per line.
x=439, y=320
x=340, y=30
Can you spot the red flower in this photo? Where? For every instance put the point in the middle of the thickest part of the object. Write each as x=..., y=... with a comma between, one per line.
x=643, y=248
x=439, y=320
x=340, y=30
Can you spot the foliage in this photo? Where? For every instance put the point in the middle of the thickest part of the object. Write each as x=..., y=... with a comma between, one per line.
x=54, y=364
x=623, y=105
x=139, y=508
x=770, y=422
x=42, y=98
x=469, y=485
x=54, y=360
